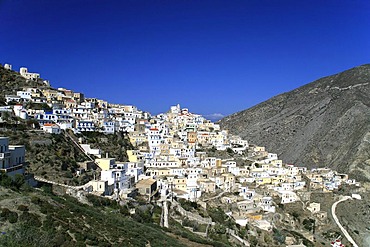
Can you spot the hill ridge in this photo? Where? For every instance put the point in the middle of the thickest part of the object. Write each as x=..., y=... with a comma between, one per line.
x=322, y=123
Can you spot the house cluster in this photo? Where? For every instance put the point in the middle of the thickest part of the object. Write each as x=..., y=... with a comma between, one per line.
x=174, y=155
x=65, y=109
x=172, y=158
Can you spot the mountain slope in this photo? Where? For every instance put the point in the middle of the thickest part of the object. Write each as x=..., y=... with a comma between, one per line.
x=324, y=123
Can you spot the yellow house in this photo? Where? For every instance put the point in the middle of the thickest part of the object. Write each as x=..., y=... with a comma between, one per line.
x=219, y=171
x=135, y=156
x=180, y=183
x=229, y=179
x=49, y=93
x=277, y=163
x=101, y=187
x=218, y=162
x=79, y=97
x=207, y=185
x=255, y=216
x=278, y=179
x=158, y=171
x=262, y=181
x=105, y=163
x=192, y=137
x=165, y=149
x=259, y=149
x=136, y=137
x=244, y=172
x=69, y=103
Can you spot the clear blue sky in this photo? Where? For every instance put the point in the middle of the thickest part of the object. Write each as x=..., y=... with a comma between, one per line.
x=210, y=56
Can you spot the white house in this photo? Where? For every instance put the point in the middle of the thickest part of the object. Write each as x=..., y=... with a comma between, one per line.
x=240, y=220
x=25, y=95
x=12, y=158
x=314, y=207
x=154, y=140
x=19, y=111
x=134, y=169
x=31, y=76
x=51, y=128
x=93, y=151
x=117, y=177
x=85, y=125
x=8, y=66
x=12, y=98
x=108, y=127
x=288, y=196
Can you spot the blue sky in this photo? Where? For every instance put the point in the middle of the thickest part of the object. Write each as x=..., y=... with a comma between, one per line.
x=210, y=56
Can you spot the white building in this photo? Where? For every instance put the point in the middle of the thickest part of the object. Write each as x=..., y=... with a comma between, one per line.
x=117, y=177
x=12, y=158
x=154, y=140
x=85, y=126
x=162, y=163
x=314, y=207
x=51, y=128
x=135, y=169
x=25, y=95
x=288, y=197
x=20, y=112
x=30, y=76
x=12, y=98
x=93, y=151
x=8, y=66
x=108, y=127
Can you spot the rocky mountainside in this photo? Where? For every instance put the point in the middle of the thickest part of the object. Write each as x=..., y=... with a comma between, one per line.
x=325, y=123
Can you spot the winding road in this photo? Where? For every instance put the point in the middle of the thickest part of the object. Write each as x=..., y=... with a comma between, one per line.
x=344, y=231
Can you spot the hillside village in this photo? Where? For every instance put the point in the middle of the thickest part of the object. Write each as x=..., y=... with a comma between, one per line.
x=176, y=155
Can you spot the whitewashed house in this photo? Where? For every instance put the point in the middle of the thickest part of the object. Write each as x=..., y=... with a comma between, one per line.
x=51, y=128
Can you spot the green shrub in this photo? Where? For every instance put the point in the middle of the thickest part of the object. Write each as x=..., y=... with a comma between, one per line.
x=13, y=217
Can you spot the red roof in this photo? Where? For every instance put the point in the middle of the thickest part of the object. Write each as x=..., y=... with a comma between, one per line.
x=50, y=124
